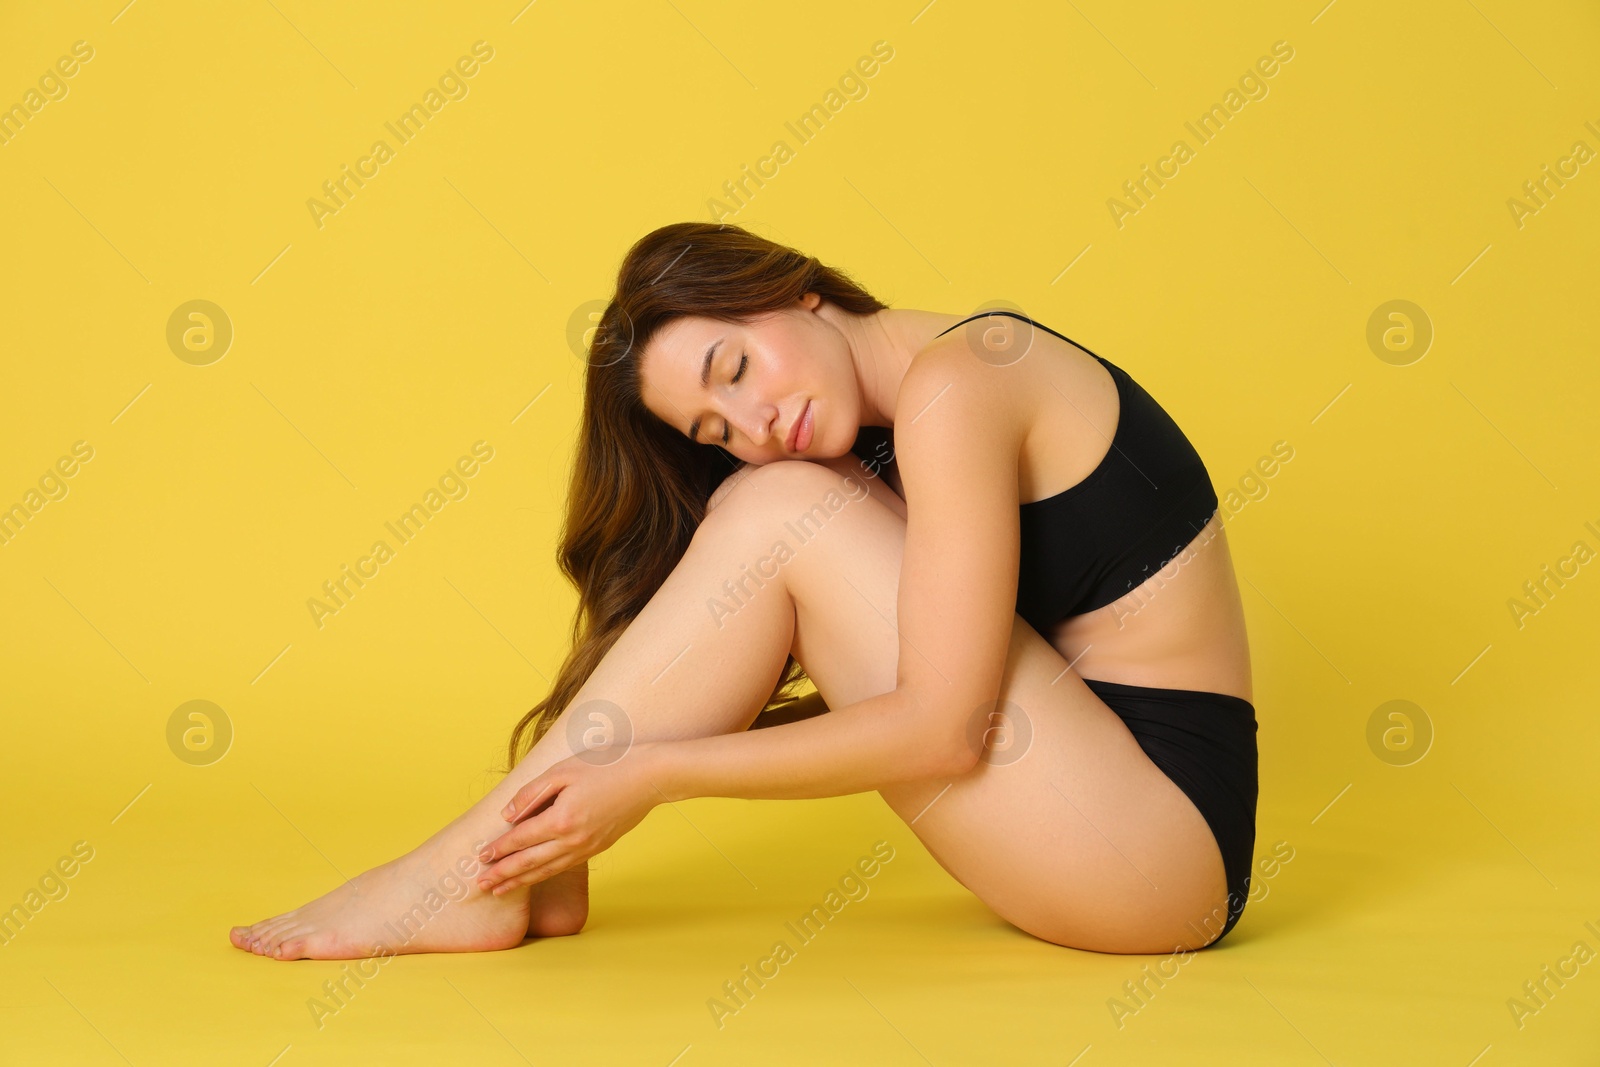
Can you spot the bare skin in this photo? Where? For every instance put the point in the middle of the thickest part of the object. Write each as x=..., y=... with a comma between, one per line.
x=1055, y=872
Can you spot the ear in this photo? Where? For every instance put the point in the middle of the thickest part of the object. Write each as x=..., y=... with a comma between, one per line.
x=811, y=301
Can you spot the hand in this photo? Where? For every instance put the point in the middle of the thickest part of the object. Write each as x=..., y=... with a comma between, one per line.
x=583, y=808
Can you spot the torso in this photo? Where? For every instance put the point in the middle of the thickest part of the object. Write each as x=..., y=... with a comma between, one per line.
x=1183, y=628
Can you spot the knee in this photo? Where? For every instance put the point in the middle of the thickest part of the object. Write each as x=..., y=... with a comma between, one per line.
x=729, y=484
x=792, y=474
x=793, y=486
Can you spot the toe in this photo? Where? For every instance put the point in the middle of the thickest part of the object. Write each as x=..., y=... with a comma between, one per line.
x=271, y=944
x=266, y=931
x=266, y=926
x=251, y=938
x=272, y=926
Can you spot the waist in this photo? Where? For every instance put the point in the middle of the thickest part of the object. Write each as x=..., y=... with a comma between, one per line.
x=1182, y=629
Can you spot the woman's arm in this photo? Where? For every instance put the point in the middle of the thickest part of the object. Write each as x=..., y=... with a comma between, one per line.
x=959, y=428
x=960, y=425
x=854, y=749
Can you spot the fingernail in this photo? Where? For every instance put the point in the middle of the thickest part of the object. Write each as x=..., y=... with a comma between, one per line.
x=485, y=855
x=508, y=811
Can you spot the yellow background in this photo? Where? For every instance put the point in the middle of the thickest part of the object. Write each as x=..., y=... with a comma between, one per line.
x=429, y=313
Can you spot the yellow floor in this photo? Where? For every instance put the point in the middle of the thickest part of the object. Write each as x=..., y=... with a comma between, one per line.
x=221, y=478
x=1397, y=933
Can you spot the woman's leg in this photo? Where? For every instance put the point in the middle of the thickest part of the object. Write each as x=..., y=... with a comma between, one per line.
x=1065, y=828
x=1082, y=842
x=657, y=673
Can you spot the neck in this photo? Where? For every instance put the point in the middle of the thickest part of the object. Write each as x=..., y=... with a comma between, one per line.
x=882, y=346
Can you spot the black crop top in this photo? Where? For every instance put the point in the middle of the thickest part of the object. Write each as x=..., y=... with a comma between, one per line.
x=1093, y=542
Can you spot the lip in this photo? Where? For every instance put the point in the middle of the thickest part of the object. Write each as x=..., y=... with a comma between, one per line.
x=794, y=431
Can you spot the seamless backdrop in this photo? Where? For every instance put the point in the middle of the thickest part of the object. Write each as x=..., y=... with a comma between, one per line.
x=278, y=273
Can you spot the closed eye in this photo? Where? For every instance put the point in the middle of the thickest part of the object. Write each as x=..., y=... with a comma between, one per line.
x=727, y=431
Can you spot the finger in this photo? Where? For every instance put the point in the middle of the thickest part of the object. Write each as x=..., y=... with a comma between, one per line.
x=538, y=831
x=528, y=798
x=527, y=834
x=516, y=863
x=538, y=874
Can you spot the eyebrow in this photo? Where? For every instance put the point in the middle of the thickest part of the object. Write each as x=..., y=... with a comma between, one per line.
x=705, y=381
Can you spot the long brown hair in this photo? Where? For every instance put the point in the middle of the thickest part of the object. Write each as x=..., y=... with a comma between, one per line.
x=639, y=487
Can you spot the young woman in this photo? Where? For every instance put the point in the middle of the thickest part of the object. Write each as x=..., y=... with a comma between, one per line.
x=998, y=559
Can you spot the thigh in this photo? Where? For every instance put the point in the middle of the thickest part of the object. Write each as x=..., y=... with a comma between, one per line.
x=1065, y=828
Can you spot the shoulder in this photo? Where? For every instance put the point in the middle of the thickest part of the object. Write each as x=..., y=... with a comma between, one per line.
x=949, y=390
x=959, y=428
x=944, y=366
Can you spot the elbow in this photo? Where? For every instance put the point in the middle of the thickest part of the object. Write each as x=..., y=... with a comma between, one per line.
x=942, y=762
x=950, y=736
x=956, y=743
x=982, y=731
x=960, y=759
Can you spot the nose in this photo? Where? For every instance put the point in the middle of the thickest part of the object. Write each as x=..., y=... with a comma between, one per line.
x=754, y=423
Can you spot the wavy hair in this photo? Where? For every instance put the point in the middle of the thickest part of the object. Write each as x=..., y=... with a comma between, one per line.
x=639, y=488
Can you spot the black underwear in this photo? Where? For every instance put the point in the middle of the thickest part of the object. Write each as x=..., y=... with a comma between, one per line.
x=1205, y=743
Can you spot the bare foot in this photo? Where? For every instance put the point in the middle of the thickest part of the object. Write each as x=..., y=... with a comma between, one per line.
x=424, y=901
x=560, y=904
x=416, y=903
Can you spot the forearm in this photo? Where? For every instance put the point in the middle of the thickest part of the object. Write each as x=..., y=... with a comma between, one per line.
x=851, y=749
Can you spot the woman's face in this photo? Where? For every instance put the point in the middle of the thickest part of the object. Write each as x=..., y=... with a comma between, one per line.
x=763, y=378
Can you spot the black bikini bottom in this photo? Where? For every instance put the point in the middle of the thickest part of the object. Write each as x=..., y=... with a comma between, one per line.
x=1206, y=743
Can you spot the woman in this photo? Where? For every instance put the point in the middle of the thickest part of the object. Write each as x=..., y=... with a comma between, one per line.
x=1021, y=618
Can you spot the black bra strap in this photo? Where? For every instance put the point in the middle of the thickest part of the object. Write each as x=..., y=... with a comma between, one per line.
x=1024, y=318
